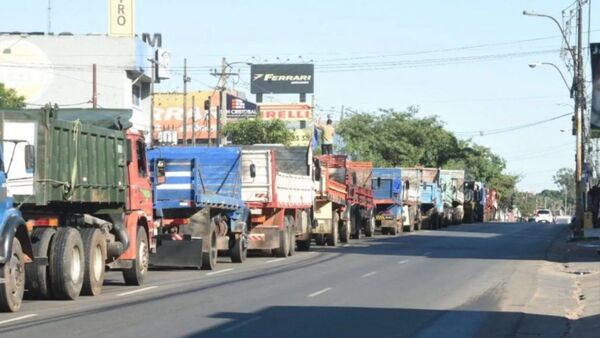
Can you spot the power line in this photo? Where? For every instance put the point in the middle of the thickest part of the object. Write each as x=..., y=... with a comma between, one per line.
x=508, y=129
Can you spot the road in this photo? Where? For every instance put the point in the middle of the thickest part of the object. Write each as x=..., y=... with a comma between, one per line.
x=445, y=283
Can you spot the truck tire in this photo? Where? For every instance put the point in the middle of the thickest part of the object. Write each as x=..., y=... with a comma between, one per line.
x=94, y=245
x=332, y=238
x=238, y=251
x=37, y=280
x=320, y=239
x=355, y=227
x=139, y=270
x=344, y=231
x=209, y=250
x=369, y=226
x=13, y=274
x=66, y=264
x=290, y=226
x=284, y=244
x=391, y=231
x=304, y=245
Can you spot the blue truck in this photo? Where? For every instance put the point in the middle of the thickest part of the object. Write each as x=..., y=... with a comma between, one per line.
x=431, y=202
x=15, y=246
x=198, y=206
x=387, y=197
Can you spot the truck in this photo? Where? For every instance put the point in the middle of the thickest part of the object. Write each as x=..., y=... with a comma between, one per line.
x=343, y=199
x=198, y=206
x=277, y=188
x=387, y=197
x=474, y=201
x=411, y=198
x=452, y=186
x=430, y=198
x=80, y=181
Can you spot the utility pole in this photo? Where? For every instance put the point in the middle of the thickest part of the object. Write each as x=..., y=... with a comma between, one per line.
x=193, y=120
x=222, y=88
x=186, y=79
x=94, y=87
x=49, y=17
x=153, y=72
x=579, y=107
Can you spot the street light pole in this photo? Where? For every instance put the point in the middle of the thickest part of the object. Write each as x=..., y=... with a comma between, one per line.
x=534, y=65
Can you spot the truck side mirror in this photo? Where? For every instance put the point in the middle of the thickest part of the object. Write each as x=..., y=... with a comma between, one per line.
x=29, y=157
x=378, y=182
x=406, y=185
x=129, y=152
x=252, y=170
x=160, y=171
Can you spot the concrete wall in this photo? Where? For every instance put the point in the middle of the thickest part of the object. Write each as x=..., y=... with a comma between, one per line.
x=58, y=69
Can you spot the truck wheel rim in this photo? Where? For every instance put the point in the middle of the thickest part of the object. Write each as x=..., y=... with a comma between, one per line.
x=15, y=272
x=76, y=265
x=98, y=264
x=143, y=258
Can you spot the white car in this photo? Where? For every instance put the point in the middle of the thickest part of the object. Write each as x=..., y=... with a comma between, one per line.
x=544, y=216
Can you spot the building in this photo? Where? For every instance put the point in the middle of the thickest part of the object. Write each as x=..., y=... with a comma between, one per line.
x=58, y=69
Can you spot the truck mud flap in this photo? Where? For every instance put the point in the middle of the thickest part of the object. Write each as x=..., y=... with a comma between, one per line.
x=177, y=251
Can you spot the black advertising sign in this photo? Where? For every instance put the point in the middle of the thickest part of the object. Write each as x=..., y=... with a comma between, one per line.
x=282, y=78
x=240, y=108
x=595, y=116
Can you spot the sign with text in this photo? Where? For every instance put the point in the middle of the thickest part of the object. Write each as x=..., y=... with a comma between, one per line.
x=240, y=108
x=282, y=78
x=285, y=112
x=595, y=116
x=121, y=18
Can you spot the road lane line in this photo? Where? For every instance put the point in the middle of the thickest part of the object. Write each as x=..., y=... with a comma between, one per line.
x=136, y=291
x=368, y=274
x=320, y=292
x=18, y=318
x=217, y=272
x=403, y=261
x=275, y=260
x=244, y=323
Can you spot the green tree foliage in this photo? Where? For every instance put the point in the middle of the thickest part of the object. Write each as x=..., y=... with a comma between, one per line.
x=565, y=181
x=402, y=139
x=10, y=99
x=253, y=131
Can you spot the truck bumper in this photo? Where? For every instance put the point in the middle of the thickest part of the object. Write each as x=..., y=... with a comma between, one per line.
x=264, y=238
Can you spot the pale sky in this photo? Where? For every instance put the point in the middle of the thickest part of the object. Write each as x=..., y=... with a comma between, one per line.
x=465, y=61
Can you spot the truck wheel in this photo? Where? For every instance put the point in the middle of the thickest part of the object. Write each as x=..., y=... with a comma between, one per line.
x=289, y=225
x=355, y=228
x=94, y=245
x=210, y=251
x=390, y=231
x=320, y=239
x=37, y=280
x=66, y=264
x=13, y=274
x=344, y=231
x=369, y=226
x=139, y=270
x=239, y=251
x=284, y=244
x=303, y=245
x=332, y=238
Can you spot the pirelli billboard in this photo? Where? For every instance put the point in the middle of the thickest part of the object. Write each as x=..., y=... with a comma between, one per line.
x=282, y=78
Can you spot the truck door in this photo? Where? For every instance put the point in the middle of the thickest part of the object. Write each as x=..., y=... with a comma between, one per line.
x=140, y=194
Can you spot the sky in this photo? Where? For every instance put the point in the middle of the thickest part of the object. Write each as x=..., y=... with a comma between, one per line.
x=464, y=61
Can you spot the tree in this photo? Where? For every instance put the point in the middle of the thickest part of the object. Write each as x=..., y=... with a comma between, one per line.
x=10, y=99
x=253, y=131
x=565, y=181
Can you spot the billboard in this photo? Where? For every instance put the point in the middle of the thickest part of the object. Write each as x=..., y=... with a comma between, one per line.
x=240, y=108
x=282, y=78
x=121, y=18
x=168, y=116
x=285, y=112
x=595, y=115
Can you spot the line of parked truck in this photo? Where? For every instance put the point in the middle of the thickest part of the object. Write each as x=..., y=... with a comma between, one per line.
x=81, y=193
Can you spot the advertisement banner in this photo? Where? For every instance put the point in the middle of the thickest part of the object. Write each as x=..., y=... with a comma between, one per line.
x=168, y=116
x=239, y=108
x=285, y=112
x=121, y=18
x=282, y=78
x=595, y=114
x=302, y=137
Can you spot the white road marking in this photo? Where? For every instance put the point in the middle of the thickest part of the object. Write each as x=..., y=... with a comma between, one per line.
x=368, y=274
x=275, y=260
x=320, y=292
x=244, y=323
x=217, y=272
x=346, y=245
x=17, y=318
x=403, y=261
x=136, y=291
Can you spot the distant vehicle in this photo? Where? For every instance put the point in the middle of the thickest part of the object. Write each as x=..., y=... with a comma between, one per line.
x=562, y=219
x=543, y=216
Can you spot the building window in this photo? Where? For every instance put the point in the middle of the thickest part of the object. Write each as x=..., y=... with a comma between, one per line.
x=136, y=95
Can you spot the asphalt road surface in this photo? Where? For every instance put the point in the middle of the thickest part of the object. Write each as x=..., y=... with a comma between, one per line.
x=445, y=283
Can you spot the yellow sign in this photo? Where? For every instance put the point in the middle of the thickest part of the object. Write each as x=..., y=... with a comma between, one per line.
x=121, y=17
x=302, y=137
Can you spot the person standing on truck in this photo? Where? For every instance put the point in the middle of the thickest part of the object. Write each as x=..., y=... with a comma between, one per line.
x=327, y=132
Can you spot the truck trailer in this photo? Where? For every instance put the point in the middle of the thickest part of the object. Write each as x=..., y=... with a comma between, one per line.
x=411, y=198
x=387, y=197
x=474, y=201
x=277, y=188
x=430, y=198
x=452, y=186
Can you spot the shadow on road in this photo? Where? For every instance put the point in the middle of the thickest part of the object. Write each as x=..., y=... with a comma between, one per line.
x=296, y=321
